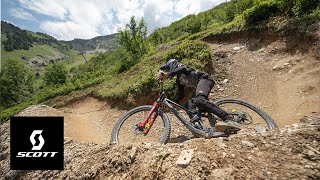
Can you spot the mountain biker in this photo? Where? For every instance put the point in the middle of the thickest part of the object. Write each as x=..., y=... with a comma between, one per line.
x=203, y=83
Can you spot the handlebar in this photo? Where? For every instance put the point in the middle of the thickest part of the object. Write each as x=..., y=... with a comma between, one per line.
x=160, y=82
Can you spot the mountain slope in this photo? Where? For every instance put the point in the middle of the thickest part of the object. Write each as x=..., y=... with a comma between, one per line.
x=37, y=50
x=14, y=38
x=97, y=44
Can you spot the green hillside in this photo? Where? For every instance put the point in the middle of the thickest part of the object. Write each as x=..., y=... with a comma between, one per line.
x=31, y=53
x=237, y=15
x=122, y=76
x=36, y=50
x=97, y=44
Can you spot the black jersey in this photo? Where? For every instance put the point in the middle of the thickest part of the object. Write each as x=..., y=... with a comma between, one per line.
x=187, y=76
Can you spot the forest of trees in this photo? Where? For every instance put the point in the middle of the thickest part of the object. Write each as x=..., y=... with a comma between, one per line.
x=17, y=39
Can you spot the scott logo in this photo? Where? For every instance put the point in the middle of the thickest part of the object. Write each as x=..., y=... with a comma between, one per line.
x=33, y=141
x=37, y=147
x=36, y=143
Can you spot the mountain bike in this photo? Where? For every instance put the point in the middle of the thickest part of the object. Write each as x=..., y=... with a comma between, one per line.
x=137, y=123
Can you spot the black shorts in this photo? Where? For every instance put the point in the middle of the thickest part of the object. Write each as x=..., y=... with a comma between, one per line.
x=204, y=87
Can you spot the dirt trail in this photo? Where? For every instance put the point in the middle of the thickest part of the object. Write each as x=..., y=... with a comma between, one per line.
x=90, y=120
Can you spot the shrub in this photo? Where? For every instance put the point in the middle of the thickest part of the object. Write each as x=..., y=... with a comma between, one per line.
x=16, y=83
x=261, y=12
x=193, y=53
x=7, y=113
x=305, y=6
x=55, y=74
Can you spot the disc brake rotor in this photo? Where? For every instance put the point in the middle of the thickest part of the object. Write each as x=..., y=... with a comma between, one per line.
x=244, y=118
x=138, y=130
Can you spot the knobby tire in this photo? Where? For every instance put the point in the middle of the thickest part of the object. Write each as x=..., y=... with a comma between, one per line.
x=268, y=120
x=165, y=120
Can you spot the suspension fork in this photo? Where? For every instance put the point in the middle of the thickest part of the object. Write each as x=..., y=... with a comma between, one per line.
x=146, y=123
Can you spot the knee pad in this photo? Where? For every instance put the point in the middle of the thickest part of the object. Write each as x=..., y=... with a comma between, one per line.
x=199, y=100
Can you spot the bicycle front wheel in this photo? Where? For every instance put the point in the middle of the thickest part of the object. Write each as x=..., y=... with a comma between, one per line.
x=127, y=131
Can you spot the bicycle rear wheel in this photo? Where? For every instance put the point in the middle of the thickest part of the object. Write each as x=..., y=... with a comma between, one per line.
x=126, y=130
x=254, y=118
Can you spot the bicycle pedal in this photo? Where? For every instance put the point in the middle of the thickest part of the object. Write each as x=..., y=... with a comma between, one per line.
x=197, y=125
x=215, y=133
x=223, y=126
x=232, y=130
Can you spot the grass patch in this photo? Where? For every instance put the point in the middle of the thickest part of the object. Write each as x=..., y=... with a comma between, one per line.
x=76, y=60
x=7, y=113
x=43, y=50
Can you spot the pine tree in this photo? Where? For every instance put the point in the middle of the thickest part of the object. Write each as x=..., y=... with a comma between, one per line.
x=134, y=38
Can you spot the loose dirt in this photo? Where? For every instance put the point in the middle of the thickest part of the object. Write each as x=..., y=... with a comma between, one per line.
x=90, y=120
x=286, y=153
x=283, y=82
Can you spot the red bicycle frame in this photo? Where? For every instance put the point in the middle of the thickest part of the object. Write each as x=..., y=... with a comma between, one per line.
x=146, y=124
